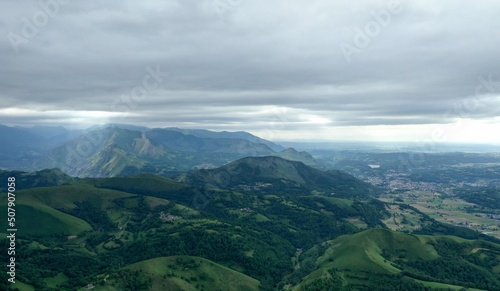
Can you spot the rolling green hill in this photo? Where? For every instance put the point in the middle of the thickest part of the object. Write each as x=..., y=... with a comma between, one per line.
x=276, y=175
x=139, y=183
x=368, y=258
x=54, y=210
x=43, y=178
x=105, y=222
x=181, y=273
x=148, y=232
x=38, y=219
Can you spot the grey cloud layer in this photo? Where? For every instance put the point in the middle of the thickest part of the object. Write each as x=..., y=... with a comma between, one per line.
x=225, y=66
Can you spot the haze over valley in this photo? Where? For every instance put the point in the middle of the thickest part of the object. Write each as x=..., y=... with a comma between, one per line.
x=176, y=208
x=249, y=145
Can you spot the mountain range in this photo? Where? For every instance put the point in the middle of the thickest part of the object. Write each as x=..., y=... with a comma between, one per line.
x=119, y=149
x=122, y=207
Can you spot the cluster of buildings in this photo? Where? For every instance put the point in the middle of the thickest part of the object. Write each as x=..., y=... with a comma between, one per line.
x=168, y=217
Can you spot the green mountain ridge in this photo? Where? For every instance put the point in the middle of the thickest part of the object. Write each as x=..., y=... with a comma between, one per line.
x=125, y=149
x=270, y=174
x=357, y=260
x=191, y=273
x=225, y=134
x=147, y=232
x=115, y=151
x=43, y=178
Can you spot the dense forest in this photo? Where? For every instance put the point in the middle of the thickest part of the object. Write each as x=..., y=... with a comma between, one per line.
x=278, y=239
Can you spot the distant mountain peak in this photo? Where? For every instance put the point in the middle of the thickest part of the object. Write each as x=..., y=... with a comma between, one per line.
x=115, y=150
x=203, y=133
x=119, y=126
x=304, y=157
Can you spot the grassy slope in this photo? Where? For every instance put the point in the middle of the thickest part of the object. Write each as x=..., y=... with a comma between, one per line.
x=63, y=197
x=143, y=182
x=209, y=275
x=38, y=218
x=38, y=209
x=23, y=287
x=362, y=252
x=359, y=252
x=444, y=286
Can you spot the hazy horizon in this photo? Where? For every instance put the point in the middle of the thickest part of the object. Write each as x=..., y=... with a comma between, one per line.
x=395, y=71
x=309, y=144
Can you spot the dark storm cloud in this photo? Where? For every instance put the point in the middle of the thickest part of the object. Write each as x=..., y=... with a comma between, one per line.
x=237, y=63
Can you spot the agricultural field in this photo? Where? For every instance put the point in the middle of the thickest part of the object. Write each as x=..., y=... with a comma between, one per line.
x=403, y=219
x=443, y=208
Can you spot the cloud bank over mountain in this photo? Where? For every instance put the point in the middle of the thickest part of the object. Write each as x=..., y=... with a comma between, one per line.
x=370, y=70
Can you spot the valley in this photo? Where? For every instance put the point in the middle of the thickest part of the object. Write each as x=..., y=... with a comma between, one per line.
x=461, y=189
x=272, y=220
x=230, y=145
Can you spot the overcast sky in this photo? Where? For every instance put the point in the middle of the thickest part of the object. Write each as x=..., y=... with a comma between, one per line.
x=284, y=70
